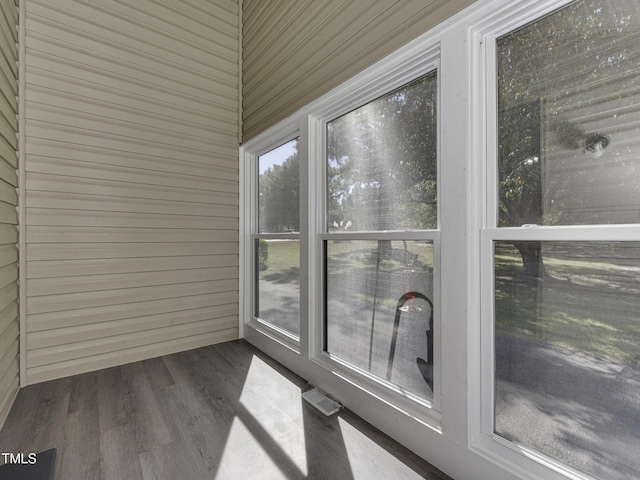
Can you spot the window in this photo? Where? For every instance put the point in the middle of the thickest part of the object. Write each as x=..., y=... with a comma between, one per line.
x=464, y=269
x=381, y=221
x=276, y=245
x=565, y=273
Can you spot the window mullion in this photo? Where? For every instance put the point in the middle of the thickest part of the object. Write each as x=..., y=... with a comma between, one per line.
x=315, y=226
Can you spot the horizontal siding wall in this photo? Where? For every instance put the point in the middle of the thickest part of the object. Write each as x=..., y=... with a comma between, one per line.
x=132, y=180
x=294, y=51
x=9, y=323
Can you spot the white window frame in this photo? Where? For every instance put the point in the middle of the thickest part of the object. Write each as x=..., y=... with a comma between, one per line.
x=286, y=131
x=527, y=462
x=310, y=125
x=353, y=96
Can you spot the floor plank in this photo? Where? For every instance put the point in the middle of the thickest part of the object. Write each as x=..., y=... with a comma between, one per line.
x=222, y=412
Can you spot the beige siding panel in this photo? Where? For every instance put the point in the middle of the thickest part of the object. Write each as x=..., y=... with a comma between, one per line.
x=79, y=333
x=75, y=185
x=97, y=203
x=105, y=344
x=131, y=181
x=148, y=127
x=57, y=303
x=103, y=38
x=125, y=182
x=109, y=80
x=8, y=23
x=8, y=91
x=10, y=382
x=9, y=367
x=64, y=96
x=293, y=51
x=8, y=214
x=8, y=295
x=88, y=283
x=9, y=235
x=163, y=77
x=121, y=356
x=72, y=218
x=8, y=254
x=58, y=269
x=105, y=136
x=8, y=154
x=162, y=29
x=65, y=251
x=8, y=172
x=9, y=321
x=40, y=235
x=51, y=321
x=8, y=129
x=184, y=118
x=8, y=193
x=8, y=274
x=8, y=325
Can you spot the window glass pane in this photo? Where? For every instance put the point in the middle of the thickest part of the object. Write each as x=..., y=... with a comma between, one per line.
x=279, y=189
x=567, y=352
x=277, y=297
x=382, y=162
x=369, y=297
x=569, y=117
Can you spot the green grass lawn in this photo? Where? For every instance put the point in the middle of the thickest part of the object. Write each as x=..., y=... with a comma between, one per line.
x=589, y=305
x=395, y=272
x=347, y=257
x=283, y=263
x=584, y=304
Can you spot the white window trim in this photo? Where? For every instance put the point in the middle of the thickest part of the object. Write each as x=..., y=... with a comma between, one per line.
x=350, y=96
x=310, y=125
x=283, y=132
x=526, y=462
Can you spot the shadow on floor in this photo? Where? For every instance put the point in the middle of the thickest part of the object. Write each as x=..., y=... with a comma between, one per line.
x=223, y=412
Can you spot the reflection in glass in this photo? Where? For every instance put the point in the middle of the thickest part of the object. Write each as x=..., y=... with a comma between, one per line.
x=277, y=296
x=569, y=117
x=367, y=282
x=279, y=189
x=567, y=353
x=382, y=162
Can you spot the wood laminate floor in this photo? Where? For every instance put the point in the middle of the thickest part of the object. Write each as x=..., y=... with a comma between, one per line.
x=225, y=412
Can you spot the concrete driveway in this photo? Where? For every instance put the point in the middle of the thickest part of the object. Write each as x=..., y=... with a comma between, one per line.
x=579, y=409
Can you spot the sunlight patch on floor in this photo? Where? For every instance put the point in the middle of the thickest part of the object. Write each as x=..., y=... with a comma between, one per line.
x=243, y=455
x=267, y=435
x=366, y=456
x=271, y=398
